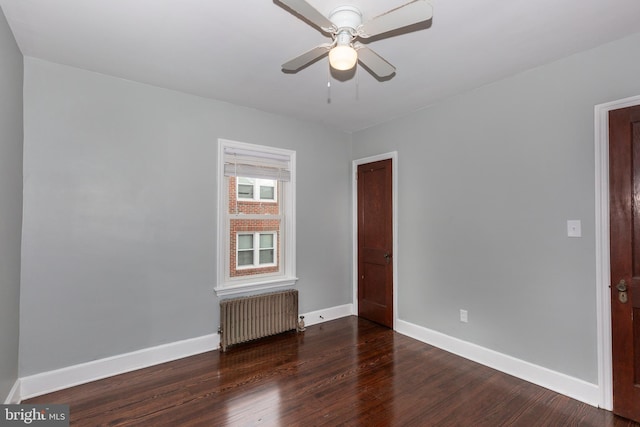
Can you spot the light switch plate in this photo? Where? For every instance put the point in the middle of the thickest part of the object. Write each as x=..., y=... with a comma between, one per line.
x=574, y=228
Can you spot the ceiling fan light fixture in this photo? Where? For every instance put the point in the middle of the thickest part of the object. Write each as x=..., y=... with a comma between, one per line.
x=344, y=25
x=343, y=57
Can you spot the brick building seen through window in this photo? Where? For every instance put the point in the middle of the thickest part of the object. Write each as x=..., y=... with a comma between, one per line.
x=254, y=242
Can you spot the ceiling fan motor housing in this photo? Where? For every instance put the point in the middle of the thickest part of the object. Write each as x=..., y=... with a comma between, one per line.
x=346, y=18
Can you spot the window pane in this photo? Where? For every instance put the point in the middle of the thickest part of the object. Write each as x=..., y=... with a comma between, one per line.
x=245, y=258
x=266, y=256
x=267, y=193
x=245, y=241
x=254, y=194
x=246, y=181
x=245, y=191
x=266, y=240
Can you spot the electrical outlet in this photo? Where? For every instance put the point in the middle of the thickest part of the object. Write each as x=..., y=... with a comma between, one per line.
x=574, y=228
x=464, y=316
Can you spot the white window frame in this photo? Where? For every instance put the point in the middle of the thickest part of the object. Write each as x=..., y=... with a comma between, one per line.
x=256, y=192
x=256, y=250
x=286, y=276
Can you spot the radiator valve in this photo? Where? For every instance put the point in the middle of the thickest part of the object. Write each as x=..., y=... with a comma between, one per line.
x=301, y=327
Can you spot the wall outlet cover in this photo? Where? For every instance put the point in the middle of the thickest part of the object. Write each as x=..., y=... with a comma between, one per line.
x=574, y=228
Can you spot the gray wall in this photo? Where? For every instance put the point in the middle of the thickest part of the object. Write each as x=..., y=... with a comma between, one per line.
x=10, y=204
x=487, y=181
x=119, y=235
x=120, y=195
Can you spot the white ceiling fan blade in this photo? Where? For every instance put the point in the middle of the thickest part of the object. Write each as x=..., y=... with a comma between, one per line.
x=408, y=14
x=374, y=62
x=311, y=14
x=300, y=61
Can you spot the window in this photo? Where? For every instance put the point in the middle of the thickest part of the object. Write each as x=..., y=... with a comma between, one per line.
x=256, y=217
x=263, y=190
x=256, y=250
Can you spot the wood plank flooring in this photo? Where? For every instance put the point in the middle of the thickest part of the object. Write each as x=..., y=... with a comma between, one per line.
x=347, y=372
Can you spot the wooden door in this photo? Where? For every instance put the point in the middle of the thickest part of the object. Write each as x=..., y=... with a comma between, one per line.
x=375, y=242
x=624, y=181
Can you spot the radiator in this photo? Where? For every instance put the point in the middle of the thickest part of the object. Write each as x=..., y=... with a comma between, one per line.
x=248, y=318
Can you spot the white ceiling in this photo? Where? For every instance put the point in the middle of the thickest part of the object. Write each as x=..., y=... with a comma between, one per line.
x=233, y=50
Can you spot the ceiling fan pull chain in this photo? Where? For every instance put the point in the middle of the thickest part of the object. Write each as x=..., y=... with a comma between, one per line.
x=329, y=85
x=357, y=83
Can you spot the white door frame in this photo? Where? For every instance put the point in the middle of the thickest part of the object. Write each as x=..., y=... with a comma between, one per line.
x=354, y=208
x=603, y=266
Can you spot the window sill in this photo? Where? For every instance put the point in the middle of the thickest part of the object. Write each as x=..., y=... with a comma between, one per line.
x=254, y=286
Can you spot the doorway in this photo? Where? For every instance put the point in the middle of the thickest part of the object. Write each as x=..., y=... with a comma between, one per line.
x=375, y=238
x=624, y=214
x=607, y=292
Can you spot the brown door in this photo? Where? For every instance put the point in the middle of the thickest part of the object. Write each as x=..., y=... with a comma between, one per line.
x=624, y=178
x=375, y=242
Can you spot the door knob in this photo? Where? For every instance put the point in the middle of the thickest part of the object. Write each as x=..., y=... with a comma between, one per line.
x=623, y=297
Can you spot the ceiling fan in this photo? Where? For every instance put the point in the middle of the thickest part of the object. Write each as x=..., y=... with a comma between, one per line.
x=345, y=27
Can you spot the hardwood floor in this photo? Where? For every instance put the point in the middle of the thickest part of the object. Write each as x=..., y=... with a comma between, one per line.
x=344, y=372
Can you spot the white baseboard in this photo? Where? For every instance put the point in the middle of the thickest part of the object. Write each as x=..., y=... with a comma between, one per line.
x=47, y=382
x=331, y=313
x=59, y=379
x=560, y=383
x=14, y=394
